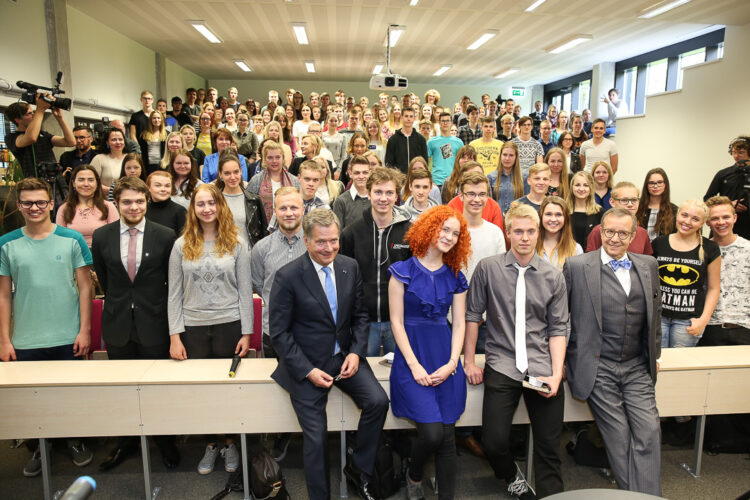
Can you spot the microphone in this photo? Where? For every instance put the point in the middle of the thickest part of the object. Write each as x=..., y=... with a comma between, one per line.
x=235, y=363
x=81, y=489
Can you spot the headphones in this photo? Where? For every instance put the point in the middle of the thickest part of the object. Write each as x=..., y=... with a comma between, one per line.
x=742, y=141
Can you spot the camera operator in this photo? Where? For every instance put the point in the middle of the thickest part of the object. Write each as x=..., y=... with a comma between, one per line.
x=82, y=154
x=734, y=182
x=30, y=144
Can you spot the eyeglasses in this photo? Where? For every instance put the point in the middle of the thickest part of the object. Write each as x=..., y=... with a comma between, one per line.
x=42, y=204
x=626, y=201
x=655, y=183
x=471, y=195
x=610, y=233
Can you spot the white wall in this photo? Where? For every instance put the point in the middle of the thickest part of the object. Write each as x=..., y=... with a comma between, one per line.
x=106, y=66
x=449, y=94
x=687, y=132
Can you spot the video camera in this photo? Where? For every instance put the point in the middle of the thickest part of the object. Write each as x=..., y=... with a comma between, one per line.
x=32, y=90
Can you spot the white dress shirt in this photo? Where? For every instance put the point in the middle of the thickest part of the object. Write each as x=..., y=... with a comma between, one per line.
x=322, y=275
x=623, y=275
x=125, y=241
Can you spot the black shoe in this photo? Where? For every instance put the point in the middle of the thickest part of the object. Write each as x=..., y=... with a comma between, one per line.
x=169, y=455
x=360, y=482
x=115, y=458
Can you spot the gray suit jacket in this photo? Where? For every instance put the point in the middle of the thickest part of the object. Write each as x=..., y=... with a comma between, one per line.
x=583, y=279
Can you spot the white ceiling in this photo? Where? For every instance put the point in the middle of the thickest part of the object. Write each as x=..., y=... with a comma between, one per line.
x=346, y=36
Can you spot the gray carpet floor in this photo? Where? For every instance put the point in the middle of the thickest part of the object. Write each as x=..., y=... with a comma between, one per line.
x=724, y=476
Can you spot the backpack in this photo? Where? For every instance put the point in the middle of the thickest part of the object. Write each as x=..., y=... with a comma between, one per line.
x=587, y=447
x=386, y=479
x=727, y=434
x=266, y=479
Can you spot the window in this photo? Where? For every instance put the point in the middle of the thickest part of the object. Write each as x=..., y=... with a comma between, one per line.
x=628, y=88
x=557, y=102
x=656, y=77
x=584, y=95
x=566, y=101
x=688, y=59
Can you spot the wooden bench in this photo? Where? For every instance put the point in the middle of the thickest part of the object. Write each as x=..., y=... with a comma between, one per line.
x=49, y=399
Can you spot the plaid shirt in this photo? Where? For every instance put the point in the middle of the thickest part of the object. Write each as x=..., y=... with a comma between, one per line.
x=467, y=135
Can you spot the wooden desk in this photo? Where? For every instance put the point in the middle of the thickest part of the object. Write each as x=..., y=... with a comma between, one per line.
x=47, y=399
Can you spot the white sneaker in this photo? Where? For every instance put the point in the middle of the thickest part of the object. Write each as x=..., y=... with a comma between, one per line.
x=231, y=458
x=206, y=465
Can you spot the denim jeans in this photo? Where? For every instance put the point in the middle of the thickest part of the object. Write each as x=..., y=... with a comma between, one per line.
x=674, y=333
x=380, y=333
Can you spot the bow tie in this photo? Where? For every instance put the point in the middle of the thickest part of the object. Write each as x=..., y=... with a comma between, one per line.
x=624, y=263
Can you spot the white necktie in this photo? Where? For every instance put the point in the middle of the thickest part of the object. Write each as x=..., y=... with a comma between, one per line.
x=522, y=362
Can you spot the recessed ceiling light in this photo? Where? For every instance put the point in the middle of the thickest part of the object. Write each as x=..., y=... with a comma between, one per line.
x=661, y=8
x=534, y=5
x=300, y=33
x=204, y=30
x=486, y=37
x=412, y=3
x=310, y=65
x=443, y=69
x=378, y=68
x=242, y=65
x=568, y=43
x=506, y=72
x=396, y=32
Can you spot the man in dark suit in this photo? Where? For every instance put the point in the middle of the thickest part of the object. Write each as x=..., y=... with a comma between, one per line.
x=319, y=328
x=615, y=342
x=131, y=259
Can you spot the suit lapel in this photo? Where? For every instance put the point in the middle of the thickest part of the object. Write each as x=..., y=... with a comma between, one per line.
x=342, y=288
x=594, y=282
x=312, y=282
x=645, y=278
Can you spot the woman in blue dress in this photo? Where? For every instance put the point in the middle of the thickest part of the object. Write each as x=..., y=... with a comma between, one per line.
x=428, y=384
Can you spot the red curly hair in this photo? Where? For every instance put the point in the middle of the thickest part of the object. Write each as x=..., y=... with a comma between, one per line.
x=425, y=230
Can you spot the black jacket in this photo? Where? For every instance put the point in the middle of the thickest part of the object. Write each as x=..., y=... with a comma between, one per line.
x=143, y=301
x=375, y=252
x=255, y=217
x=400, y=149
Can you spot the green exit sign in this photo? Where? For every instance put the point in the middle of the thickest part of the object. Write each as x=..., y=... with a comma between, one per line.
x=518, y=91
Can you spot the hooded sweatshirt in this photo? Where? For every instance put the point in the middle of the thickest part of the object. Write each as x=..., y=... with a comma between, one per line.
x=375, y=250
x=400, y=149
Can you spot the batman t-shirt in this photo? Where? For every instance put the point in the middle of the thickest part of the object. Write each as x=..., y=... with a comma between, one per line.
x=682, y=277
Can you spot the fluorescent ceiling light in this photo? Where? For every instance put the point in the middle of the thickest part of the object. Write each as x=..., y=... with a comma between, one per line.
x=310, y=65
x=300, y=33
x=507, y=72
x=204, y=30
x=396, y=33
x=378, y=68
x=568, y=43
x=412, y=3
x=443, y=69
x=661, y=8
x=534, y=5
x=486, y=37
x=242, y=64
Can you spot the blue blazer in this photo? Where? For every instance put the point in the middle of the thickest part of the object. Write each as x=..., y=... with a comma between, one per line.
x=301, y=325
x=211, y=168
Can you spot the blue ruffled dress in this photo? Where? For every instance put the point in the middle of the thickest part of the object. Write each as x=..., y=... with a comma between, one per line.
x=427, y=297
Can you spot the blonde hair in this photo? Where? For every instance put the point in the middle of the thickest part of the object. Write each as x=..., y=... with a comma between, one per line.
x=538, y=167
x=520, y=211
x=167, y=158
x=563, y=187
x=566, y=244
x=610, y=181
x=155, y=135
x=227, y=239
x=699, y=232
x=591, y=206
x=333, y=187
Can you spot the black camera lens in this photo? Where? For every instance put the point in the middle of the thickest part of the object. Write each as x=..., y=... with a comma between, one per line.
x=390, y=81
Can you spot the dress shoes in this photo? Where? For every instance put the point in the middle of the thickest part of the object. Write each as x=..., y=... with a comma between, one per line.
x=360, y=482
x=472, y=445
x=116, y=457
x=169, y=455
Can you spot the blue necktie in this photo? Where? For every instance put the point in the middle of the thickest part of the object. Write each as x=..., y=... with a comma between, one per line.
x=624, y=263
x=331, y=296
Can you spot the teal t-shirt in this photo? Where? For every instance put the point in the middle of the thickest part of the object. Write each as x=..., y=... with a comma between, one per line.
x=443, y=151
x=45, y=300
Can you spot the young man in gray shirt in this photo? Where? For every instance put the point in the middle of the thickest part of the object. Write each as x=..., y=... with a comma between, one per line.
x=526, y=339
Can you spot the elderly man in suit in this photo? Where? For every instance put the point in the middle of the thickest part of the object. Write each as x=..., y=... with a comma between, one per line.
x=615, y=342
x=319, y=328
x=131, y=258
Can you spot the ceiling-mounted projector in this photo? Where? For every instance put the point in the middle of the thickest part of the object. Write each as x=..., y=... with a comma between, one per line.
x=389, y=81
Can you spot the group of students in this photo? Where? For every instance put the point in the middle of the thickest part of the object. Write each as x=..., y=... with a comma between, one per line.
x=179, y=252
